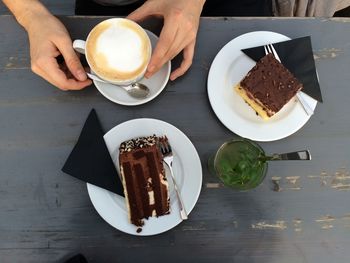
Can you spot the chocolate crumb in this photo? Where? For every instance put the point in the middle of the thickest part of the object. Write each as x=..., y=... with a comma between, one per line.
x=139, y=230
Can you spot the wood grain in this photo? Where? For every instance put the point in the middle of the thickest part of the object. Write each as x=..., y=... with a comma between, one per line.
x=62, y=7
x=46, y=215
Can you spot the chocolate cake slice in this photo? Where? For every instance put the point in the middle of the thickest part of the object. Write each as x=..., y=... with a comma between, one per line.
x=268, y=86
x=144, y=180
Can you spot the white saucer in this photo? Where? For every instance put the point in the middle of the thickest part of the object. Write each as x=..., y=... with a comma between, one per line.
x=156, y=84
x=228, y=69
x=187, y=171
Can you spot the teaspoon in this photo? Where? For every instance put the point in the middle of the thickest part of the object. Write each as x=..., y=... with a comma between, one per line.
x=299, y=155
x=135, y=90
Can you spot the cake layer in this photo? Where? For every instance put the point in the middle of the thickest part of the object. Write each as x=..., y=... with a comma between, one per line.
x=252, y=103
x=144, y=180
x=270, y=85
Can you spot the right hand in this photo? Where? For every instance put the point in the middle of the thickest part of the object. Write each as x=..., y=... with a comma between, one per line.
x=49, y=39
x=181, y=22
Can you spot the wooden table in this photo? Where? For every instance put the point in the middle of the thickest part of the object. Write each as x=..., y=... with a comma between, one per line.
x=45, y=214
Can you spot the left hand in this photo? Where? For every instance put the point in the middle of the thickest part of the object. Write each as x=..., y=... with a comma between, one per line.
x=181, y=22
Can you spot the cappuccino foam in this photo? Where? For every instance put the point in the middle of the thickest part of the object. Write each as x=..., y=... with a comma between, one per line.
x=118, y=50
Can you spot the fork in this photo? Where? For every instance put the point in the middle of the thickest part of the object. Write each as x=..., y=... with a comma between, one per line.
x=168, y=159
x=309, y=111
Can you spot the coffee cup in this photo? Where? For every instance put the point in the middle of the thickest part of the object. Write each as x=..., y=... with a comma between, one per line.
x=117, y=50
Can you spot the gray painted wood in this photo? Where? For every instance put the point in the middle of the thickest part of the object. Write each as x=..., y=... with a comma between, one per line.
x=62, y=7
x=45, y=214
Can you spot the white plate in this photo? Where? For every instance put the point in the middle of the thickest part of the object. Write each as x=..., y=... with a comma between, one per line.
x=228, y=68
x=156, y=84
x=187, y=171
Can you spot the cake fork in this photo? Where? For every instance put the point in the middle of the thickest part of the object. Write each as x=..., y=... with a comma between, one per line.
x=168, y=159
x=309, y=111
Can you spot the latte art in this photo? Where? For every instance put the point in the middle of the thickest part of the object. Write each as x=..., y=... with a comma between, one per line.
x=118, y=50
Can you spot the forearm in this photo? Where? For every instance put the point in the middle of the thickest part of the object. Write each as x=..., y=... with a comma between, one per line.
x=26, y=10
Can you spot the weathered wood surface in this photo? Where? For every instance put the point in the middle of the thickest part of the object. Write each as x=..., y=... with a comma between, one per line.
x=61, y=7
x=45, y=214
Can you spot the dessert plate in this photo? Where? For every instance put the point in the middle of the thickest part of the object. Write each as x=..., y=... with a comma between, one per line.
x=228, y=68
x=187, y=170
x=156, y=84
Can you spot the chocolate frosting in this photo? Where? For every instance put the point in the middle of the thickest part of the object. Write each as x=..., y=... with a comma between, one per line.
x=270, y=83
x=143, y=172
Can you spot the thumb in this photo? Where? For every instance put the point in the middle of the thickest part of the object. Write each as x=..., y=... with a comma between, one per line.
x=141, y=13
x=72, y=61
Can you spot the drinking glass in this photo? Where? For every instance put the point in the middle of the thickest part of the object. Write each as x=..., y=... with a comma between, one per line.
x=240, y=164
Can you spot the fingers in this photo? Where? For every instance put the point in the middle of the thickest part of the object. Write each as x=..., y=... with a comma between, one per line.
x=141, y=13
x=72, y=61
x=160, y=55
x=186, y=63
x=181, y=22
x=48, y=68
x=178, y=32
x=46, y=44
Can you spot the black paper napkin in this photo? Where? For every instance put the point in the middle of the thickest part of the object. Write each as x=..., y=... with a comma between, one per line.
x=297, y=56
x=90, y=160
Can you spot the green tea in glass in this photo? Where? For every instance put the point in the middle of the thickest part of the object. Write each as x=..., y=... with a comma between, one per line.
x=240, y=164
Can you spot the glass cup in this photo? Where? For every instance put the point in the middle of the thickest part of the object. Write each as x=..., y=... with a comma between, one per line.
x=240, y=164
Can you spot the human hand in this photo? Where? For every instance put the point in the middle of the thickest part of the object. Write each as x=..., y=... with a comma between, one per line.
x=49, y=39
x=181, y=22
